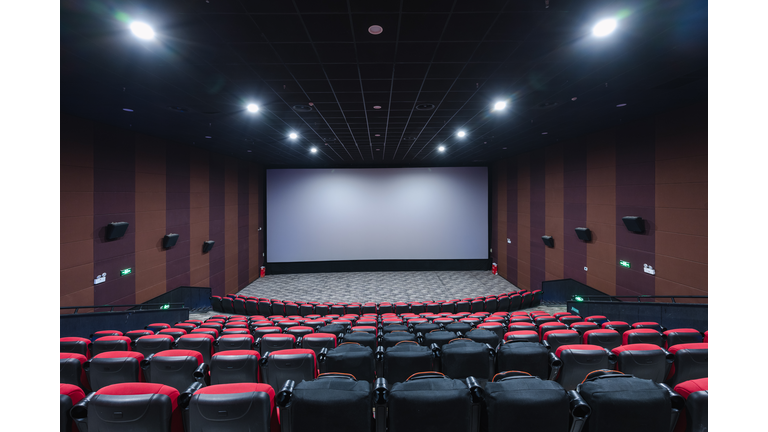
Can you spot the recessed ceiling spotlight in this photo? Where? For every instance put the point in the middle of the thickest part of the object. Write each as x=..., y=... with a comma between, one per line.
x=461, y=134
x=248, y=151
x=142, y=30
x=127, y=109
x=375, y=29
x=313, y=150
x=500, y=105
x=620, y=105
x=252, y=107
x=378, y=149
x=207, y=136
x=544, y=133
x=503, y=148
x=293, y=135
x=441, y=148
x=377, y=107
x=573, y=98
x=377, y=135
x=604, y=27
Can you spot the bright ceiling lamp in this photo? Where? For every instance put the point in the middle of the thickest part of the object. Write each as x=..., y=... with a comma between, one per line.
x=293, y=135
x=253, y=107
x=500, y=105
x=604, y=27
x=313, y=150
x=461, y=134
x=441, y=148
x=142, y=30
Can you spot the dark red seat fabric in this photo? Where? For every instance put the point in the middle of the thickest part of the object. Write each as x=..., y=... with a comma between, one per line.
x=681, y=336
x=647, y=324
x=578, y=361
x=131, y=407
x=234, y=342
x=690, y=362
x=696, y=411
x=102, y=333
x=110, y=343
x=619, y=326
x=276, y=342
x=69, y=395
x=608, y=339
x=642, y=335
x=250, y=406
x=647, y=361
x=294, y=364
x=175, y=368
x=522, y=335
x=202, y=343
x=151, y=344
x=76, y=345
x=71, y=370
x=114, y=367
x=236, y=366
x=706, y=336
x=558, y=338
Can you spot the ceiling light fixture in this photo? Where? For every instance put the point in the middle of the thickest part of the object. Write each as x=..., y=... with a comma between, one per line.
x=544, y=133
x=441, y=148
x=377, y=107
x=127, y=109
x=461, y=134
x=500, y=105
x=207, y=136
x=142, y=30
x=293, y=135
x=313, y=150
x=375, y=29
x=604, y=27
x=252, y=107
x=620, y=105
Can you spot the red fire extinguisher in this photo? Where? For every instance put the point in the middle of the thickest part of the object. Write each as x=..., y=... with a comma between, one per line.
x=494, y=268
x=263, y=271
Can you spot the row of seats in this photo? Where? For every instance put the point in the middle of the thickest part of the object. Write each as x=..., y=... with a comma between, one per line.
x=604, y=401
x=250, y=305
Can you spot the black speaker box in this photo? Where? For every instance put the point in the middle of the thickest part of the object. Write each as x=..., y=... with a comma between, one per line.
x=115, y=230
x=170, y=240
x=548, y=240
x=207, y=246
x=634, y=224
x=584, y=234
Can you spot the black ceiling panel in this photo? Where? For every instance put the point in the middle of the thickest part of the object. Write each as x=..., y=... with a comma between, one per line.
x=451, y=60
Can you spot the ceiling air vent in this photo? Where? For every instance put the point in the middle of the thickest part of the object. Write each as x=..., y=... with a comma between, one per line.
x=425, y=107
x=302, y=108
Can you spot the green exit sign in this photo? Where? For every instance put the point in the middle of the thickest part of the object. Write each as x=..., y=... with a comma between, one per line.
x=125, y=272
x=624, y=263
x=166, y=306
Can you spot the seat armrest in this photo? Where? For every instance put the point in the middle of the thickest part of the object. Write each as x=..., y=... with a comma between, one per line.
x=201, y=375
x=580, y=411
x=677, y=402
x=555, y=364
x=435, y=350
x=283, y=398
x=79, y=412
x=475, y=389
x=323, y=354
x=186, y=395
x=380, y=397
x=546, y=344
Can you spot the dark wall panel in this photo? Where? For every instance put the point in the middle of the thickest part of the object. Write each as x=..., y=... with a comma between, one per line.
x=574, y=210
x=242, y=225
x=538, y=214
x=216, y=221
x=512, y=220
x=177, y=215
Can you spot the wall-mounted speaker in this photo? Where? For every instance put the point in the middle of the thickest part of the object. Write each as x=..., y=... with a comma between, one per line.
x=170, y=240
x=634, y=224
x=584, y=234
x=207, y=246
x=115, y=230
x=549, y=241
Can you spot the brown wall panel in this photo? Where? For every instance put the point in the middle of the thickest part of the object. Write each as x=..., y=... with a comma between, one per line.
x=150, y=217
x=76, y=213
x=501, y=217
x=601, y=211
x=254, y=192
x=230, y=226
x=149, y=183
x=554, y=203
x=199, y=270
x=524, y=221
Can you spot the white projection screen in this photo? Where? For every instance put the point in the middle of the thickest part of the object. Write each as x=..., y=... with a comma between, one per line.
x=377, y=214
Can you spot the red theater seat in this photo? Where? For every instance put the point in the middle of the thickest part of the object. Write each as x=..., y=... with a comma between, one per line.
x=249, y=407
x=694, y=416
x=69, y=395
x=71, y=370
x=114, y=367
x=75, y=345
x=110, y=343
x=647, y=361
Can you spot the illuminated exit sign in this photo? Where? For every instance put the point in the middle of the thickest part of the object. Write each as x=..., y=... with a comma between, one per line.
x=125, y=272
x=624, y=263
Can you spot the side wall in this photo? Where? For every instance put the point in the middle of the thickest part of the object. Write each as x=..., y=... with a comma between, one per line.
x=109, y=174
x=655, y=168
